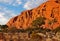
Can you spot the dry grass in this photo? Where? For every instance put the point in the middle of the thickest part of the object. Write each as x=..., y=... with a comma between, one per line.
x=24, y=37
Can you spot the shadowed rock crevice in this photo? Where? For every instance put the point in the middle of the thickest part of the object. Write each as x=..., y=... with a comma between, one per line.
x=15, y=19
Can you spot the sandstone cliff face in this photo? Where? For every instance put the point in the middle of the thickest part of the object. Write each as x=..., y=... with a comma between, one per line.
x=50, y=10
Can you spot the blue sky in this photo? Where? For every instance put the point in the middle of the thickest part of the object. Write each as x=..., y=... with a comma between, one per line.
x=11, y=8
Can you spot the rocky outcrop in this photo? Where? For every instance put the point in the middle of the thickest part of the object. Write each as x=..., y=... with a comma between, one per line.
x=50, y=10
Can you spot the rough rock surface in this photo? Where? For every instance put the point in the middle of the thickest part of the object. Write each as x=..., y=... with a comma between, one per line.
x=50, y=10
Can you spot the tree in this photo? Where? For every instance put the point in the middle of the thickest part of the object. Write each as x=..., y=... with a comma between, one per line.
x=4, y=28
x=38, y=22
x=0, y=28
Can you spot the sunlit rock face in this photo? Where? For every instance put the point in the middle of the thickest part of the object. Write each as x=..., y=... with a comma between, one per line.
x=50, y=10
x=57, y=1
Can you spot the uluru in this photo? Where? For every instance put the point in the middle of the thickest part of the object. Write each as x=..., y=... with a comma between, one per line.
x=49, y=10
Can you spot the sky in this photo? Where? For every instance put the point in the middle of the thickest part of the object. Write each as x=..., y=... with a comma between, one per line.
x=11, y=8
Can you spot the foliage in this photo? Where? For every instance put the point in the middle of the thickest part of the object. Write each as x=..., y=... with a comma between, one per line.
x=38, y=22
x=52, y=21
x=20, y=30
x=36, y=37
x=57, y=29
x=3, y=28
x=12, y=29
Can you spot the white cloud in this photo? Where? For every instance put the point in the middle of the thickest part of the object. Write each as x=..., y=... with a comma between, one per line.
x=33, y=3
x=11, y=2
x=5, y=15
x=2, y=18
x=1, y=14
x=17, y=2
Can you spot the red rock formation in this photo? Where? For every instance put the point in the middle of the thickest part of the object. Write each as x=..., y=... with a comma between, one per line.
x=50, y=10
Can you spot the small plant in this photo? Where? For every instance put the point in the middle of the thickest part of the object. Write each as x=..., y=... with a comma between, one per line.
x=57, y=29
x=52, y=21
x=38, y=22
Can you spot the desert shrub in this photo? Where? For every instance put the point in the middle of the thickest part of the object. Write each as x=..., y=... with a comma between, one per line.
x=52, y=21
x=57, y=29
x=38, y=22
x=12, y=29
x=3, y=28
x=36, y=37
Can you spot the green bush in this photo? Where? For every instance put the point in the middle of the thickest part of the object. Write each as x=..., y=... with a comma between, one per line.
x=38, y=22
x=3, y=28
